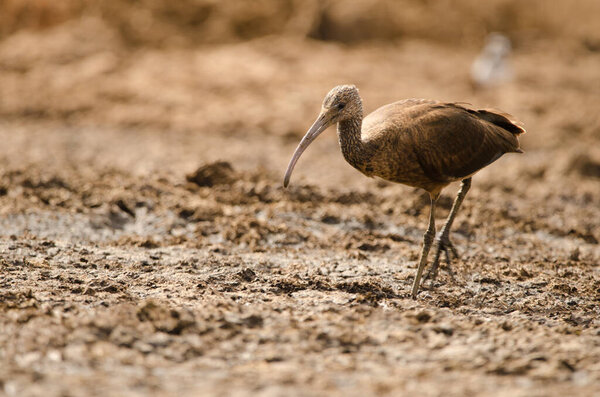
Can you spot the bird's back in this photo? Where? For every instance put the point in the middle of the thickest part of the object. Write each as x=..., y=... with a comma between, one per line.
x=428, y=144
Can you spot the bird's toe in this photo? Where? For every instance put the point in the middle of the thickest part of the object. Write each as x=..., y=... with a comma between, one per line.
x=444, y=244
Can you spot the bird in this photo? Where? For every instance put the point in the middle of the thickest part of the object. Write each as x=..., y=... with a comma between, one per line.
x=491, y=68
x=416, y=142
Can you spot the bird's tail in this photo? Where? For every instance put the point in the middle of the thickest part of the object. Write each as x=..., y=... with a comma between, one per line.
x=503, y=120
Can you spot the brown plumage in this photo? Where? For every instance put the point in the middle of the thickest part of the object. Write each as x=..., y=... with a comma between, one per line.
x=416, y=142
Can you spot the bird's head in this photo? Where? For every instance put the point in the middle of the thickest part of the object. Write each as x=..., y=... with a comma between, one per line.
x=341, y=103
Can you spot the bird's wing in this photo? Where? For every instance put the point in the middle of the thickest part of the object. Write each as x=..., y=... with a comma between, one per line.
x=448, y=141
x=460, y=141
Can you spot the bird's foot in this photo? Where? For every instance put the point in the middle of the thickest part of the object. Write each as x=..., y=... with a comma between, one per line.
x=444, y=244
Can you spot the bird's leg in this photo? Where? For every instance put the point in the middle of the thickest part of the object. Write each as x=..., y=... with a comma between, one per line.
x=427, y=241
x=443, y=242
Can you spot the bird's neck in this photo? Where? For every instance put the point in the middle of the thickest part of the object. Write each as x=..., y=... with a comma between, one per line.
x=349, y=136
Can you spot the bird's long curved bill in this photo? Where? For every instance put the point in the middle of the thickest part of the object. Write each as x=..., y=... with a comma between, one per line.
x=318, y=126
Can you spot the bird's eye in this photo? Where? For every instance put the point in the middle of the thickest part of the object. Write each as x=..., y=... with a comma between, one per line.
x=340, y=106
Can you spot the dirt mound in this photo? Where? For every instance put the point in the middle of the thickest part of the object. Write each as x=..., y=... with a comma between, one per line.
x=218, y=173
x=583, y=165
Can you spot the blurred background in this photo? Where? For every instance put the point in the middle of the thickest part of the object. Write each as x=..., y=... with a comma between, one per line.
x=161, y=86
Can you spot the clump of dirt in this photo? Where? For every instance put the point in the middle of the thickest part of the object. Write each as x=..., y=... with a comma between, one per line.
x=165, y=319
x=371, y=288
x=217, y=173
x=583, y=165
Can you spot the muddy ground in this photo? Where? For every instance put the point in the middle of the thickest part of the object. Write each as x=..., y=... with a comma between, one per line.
x=148, y=247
